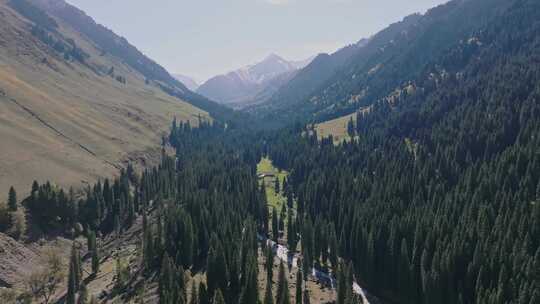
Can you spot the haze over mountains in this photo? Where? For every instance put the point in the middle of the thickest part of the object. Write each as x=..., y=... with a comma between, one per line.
x=189, y=82
x=251, y=84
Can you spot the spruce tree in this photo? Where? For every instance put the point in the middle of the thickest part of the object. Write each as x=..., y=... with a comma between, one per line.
x=72, y=285
x=83, y=294
x=204, y=297
x=268, y=298
x=250, y=290
x=275, y=225
x=217, y=270
x=95, y=261
x=75, y=268
x=341, y=286
x=12, y=199
x=269, y=263
x=282, y=295
x=299, y=281
x=291, y=232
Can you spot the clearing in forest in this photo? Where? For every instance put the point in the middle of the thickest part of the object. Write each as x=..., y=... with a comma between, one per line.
x=268, y=174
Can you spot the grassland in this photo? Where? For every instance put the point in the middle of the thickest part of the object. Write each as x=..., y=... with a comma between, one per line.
x=274, y=199
x=336, y=127
x=71, y=123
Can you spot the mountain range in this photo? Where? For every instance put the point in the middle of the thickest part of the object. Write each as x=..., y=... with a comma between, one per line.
x=251, y=84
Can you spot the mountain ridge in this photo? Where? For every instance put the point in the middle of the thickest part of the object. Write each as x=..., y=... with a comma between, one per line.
x=249, y=83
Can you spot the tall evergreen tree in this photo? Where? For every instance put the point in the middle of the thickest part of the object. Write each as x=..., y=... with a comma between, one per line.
x=299, y=282
x=275, y=225
x=72, y=285
x=268, y=298
x=204, y=297
x=282, y=294
x=269, y=263
x=83, y=294
x=250, y=289
x=12, y=199
x=217, y=269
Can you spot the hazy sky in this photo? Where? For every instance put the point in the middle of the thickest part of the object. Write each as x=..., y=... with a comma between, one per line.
x=202, y=38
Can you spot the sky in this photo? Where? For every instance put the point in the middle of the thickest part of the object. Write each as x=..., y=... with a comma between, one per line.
x=204, y=38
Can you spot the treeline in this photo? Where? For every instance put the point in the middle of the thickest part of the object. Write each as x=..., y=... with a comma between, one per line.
x=105, y=207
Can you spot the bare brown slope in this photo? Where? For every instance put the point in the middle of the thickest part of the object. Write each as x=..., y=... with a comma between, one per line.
x=66, y=121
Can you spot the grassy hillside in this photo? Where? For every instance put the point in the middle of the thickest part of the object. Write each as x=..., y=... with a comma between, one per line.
x=71, y=121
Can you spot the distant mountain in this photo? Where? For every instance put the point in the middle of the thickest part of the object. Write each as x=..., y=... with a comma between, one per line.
x=310, y=77
x=251, y=83
x=189, y=82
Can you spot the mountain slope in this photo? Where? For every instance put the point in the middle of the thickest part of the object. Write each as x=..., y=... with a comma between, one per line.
x=70, y=112
x=189, y=82
x=252, y=83
x=391, y=59
x=109, y=43
x=313, y=75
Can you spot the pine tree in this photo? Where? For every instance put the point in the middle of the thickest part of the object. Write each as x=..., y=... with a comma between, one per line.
x=269, y=263
x=83, y=295
x=204, y=298
x=95, y=261
x=268, y=298
x=291, y=232
x=75, y=268
x=12, y=199
x=282, y=295
x=350, y=127
x=299, y=281
x=217, y=269
x=275, y=225
x=167, y=282
x=92, y=248
x=72, y=285
x=342, y=286
x=250, y=290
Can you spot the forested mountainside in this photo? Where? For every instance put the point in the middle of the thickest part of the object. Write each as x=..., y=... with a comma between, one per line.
x=391, y=59
x=306, y=80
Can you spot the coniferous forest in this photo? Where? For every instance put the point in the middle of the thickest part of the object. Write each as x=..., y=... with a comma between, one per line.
x=434, y=199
